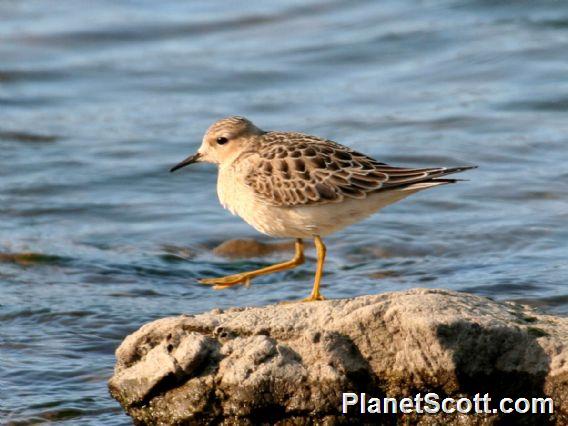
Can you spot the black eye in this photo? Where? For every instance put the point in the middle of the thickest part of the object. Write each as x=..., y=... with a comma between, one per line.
x=221, y=140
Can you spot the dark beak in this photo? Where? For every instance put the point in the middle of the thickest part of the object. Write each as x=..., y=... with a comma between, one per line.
x=189, y=160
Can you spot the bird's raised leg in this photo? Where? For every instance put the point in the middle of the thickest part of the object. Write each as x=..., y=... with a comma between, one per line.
x=320, y=250
x=245, y=277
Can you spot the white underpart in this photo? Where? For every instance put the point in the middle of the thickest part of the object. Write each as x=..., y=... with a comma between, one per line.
x=302, y=221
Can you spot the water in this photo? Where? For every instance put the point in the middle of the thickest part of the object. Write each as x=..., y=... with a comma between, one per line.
x=98, y=101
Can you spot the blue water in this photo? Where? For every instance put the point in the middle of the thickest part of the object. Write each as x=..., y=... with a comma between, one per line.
x=99, y=99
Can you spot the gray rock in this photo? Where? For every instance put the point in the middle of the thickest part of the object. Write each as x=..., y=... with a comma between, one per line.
x=290, y=363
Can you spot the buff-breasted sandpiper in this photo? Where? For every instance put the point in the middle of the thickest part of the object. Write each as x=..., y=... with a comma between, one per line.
x=293, y=185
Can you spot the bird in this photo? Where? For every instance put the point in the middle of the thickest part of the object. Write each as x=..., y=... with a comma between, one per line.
x=294, y=185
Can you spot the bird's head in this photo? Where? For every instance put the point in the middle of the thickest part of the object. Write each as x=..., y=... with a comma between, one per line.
x=223, y=141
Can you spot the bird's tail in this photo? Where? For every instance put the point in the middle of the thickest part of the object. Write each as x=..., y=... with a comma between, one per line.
x=433, y=177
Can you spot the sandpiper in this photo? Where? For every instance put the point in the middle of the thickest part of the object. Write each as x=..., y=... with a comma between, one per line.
x=293, y=185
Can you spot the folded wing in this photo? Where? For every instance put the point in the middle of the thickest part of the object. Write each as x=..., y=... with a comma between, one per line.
x=294, y=169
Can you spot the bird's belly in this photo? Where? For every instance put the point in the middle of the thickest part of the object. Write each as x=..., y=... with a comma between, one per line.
x=299, y=221
x=274, y=221
x=322, y=220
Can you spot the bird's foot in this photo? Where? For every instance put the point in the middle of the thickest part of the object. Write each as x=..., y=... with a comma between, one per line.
x=313, y=298
x=221, y=283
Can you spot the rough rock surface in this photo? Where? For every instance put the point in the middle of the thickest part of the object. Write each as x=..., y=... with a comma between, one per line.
x=290, y=363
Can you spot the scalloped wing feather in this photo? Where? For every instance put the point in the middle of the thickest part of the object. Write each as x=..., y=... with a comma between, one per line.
x=292, y=169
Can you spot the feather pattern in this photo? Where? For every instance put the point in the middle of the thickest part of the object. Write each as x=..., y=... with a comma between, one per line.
x=290, y=169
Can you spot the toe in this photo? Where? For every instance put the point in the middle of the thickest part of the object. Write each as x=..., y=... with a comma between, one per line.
x=210, y=281
x=224, y=282
x=313, y=298
x=222, y=287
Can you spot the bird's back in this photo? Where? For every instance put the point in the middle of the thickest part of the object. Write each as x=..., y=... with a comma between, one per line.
x=292, y=169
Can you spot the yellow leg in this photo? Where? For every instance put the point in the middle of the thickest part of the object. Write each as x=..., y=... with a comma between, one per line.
x=320, y=250
x=245, y=277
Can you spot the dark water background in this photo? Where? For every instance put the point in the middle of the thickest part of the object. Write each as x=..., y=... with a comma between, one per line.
x=99, y=99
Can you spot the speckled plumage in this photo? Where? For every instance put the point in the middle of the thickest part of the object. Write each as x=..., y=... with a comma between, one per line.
x=282, y=183
x=289, y=184
x=290, y=169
